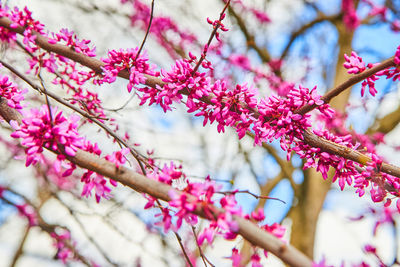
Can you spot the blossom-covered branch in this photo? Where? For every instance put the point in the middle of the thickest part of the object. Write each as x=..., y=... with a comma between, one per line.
x=141, y=183
x=153, y=82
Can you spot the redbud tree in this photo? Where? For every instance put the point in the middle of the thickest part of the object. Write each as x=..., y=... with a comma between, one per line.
x=175, y=126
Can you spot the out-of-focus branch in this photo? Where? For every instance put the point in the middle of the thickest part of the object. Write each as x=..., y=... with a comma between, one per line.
x=262, y=53
x=19, y=252
x=83, y=229
x=321, y=18
x=265, y=191
x=386, y=124
x=44, y=226
x=286, y=167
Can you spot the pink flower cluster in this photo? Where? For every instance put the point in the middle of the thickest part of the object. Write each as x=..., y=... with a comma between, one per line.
x=10, y=92
x=278, y=118
x=5, y=34
x=96, y=181
x=350, y=18
x=64, y=252
x=261, y=16
x=217, y=23
x=28, y=212
x=356, y=65
x=271, y=118
x=67, y=69
x=202, y=197
x=379, y=182
x=129, y=60
x=275, y=229
x=179, y=78
x=39, y=130
x=69, y=38
x=168, y=174
x=23, y=18
x=118, y=157
x=397, y=56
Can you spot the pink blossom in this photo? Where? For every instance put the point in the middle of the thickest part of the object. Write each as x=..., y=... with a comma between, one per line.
x=27, y=211
x=322, y=263
x=275, y=229
x=24, y=19
x=185, y=208
x=397, y=56
x=258, y=215
x=161, y=28
x=350, y=18
x=167, y=174
x=260, y=15
x=395, y=26
x=129, y=60
x=118, y=158
x=68, y=38
x=354, y=63
x=236, y=258
x=10, y=92
x=166, y=219
x=38, y=130
x=64, y=253
x=255, y=260
x=98, y=183
x=208, y=234
x=240, y=61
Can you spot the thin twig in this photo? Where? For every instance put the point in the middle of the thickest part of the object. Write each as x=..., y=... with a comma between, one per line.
x=203, y=257
x=216, y=27
x=250, y=193
x=139, y=158
x=147, y=31
x=19, y=251
x=183, y=249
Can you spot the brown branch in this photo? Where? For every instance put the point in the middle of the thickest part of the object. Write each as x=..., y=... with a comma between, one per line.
x=178, y=237
x=140, y=183
x=46, y=227
x=345, y=152
x=262, y=53
x=386, y=124
x=304, y=28
x=83, y=229
x=348, y=83
x=19, y=251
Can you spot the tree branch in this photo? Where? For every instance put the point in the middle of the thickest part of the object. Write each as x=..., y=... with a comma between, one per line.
x=140, y=183
x=152, y=81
